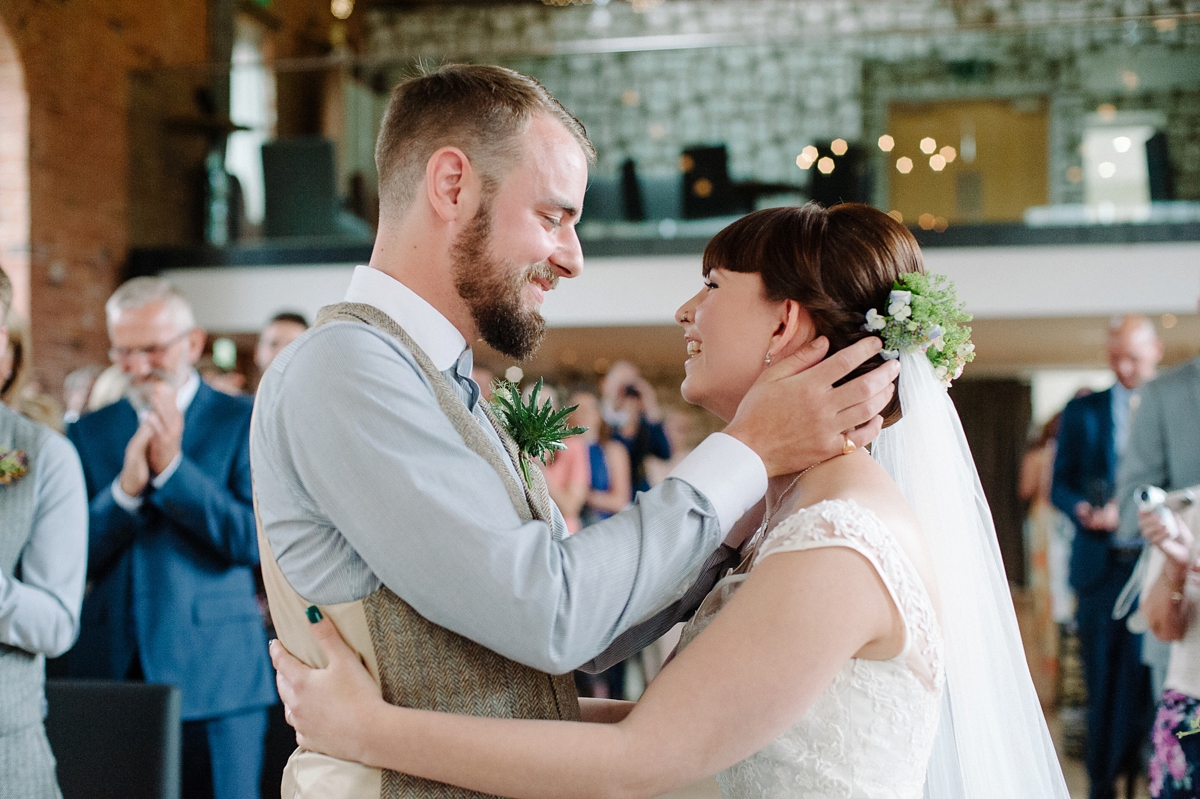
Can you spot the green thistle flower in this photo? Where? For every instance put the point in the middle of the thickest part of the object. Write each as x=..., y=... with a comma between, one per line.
x=536, y=427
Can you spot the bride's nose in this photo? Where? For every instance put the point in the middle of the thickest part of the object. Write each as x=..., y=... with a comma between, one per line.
x=687, y=312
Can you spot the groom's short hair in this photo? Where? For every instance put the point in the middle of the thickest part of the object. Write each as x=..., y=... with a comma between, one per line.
x=480, y=109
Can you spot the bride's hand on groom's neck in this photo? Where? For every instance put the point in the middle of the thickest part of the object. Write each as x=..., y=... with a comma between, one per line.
x=793, y=416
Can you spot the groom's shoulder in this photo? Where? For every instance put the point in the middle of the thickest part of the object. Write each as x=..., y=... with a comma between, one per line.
x=341, y=348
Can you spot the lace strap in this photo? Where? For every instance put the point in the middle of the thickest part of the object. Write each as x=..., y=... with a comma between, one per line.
x=848, y=524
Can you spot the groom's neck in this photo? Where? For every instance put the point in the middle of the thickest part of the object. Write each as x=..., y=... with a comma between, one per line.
x=416, y=252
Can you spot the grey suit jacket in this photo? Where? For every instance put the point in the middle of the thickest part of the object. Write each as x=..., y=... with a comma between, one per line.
x=1164, y=440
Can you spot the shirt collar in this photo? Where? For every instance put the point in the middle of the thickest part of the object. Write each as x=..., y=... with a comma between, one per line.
x=187, y=392
x=431, y=331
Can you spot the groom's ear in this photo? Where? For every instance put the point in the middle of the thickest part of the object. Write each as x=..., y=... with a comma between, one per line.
x=452, y=185
x=795, y=329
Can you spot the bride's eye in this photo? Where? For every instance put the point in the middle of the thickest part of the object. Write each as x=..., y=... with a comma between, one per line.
x=708, y=284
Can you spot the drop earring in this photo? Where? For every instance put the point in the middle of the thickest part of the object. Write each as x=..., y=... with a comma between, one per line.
x=768, y=359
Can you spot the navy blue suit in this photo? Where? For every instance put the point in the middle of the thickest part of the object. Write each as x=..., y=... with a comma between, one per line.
x=1119, y=703
x=173, y=584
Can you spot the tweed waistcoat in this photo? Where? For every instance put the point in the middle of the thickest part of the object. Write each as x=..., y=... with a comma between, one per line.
x=417, y=663
x=21, y=673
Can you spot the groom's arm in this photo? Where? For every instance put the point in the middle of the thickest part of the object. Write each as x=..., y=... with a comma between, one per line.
x=373, y=455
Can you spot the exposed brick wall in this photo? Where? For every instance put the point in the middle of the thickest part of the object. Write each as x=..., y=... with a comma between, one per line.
x=76, y=55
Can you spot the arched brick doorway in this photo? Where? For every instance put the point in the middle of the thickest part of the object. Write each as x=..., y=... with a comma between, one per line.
x=14, y=171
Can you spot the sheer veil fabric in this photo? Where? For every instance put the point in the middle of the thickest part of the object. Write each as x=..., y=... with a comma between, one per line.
x=992, y=740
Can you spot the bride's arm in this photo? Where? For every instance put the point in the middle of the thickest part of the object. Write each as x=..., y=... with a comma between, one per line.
x=749, y=676
x=603, y=711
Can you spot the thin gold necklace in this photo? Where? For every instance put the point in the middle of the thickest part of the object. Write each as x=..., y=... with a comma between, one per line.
x=753, y=543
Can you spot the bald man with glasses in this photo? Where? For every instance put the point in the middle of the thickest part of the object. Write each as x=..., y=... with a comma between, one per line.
x=173, y=547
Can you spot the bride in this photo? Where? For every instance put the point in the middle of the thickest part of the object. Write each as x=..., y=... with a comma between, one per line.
x=866, y=647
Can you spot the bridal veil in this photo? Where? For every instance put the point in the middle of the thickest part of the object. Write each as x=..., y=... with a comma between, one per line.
x=992, y=740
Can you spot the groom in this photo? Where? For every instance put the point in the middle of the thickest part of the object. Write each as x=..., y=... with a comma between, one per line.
x=389, y=497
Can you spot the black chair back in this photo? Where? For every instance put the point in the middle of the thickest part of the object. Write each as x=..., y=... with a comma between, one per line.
x=114, y=739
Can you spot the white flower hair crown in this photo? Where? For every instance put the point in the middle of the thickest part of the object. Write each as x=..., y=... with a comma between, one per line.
x=925, y=315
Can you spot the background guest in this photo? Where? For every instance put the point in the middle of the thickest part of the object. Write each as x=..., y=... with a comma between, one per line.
x=284, y=328
x=1163, y=451
x=608, y=460
x=568, y=476
x=683, y=433
x=1169, y=598
x=1094, y=432
x=110, y=386
x=632, y=411
x=227, y=381
x=19, y=388
x=77, y=387
x=43, y=549
x=173, y=542
x=1048, y=533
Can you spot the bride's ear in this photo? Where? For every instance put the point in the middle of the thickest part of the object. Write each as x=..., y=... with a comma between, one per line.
x=795, y=329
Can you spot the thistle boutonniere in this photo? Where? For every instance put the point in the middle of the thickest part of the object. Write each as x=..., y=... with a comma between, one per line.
x=14, y=464
x=535, y=426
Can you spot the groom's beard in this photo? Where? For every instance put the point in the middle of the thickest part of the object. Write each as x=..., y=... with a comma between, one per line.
x=493, y=292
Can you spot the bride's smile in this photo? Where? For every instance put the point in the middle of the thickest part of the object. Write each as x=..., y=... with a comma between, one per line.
x=730, y=327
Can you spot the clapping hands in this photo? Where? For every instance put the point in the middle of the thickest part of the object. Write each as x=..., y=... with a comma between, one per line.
x=156, y=443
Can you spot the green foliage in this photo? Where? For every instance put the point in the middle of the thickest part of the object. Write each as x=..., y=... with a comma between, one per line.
x=535, y=426
x=925, y=314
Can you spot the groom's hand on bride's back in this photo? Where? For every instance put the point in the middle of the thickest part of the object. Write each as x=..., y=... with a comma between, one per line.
x=793, y=416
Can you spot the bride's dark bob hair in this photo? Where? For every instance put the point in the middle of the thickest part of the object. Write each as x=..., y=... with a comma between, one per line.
x=838, y=263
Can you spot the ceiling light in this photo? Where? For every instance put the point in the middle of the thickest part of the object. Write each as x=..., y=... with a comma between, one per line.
x=949, y=153
x=1122, y=144
x=894, y=214
x=1107, y=169
x=825, y=165
x=839, y=146
x=342, y=9
x=803, y=161
x=926, y=221
x=928, y=145
x=514, y=374
x=886, y=143
x=810, y=153
x=936, y=162
x=904, y=165
x=1107, y=111
x=1074, y=174
x=1169, y=320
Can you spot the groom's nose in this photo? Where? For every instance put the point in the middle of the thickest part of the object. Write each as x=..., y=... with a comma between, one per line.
x=567, y=258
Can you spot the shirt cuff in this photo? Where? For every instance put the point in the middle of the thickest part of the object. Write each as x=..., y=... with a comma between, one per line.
x=162, y=477
x=123, y=500
x=728, y=473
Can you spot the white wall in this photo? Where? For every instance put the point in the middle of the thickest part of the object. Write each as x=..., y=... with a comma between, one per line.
x=995, y=282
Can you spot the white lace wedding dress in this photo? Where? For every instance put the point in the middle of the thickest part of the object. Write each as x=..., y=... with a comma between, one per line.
x=870, y=733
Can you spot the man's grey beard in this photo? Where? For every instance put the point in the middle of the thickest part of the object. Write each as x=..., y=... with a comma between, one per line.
x=140, y=394
x=493, y=297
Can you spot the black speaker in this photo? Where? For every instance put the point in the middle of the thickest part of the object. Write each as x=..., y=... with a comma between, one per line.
x=707, y=189
x=849, y=182
x=1158, y=165
x=300, y=187
x=633, y=206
